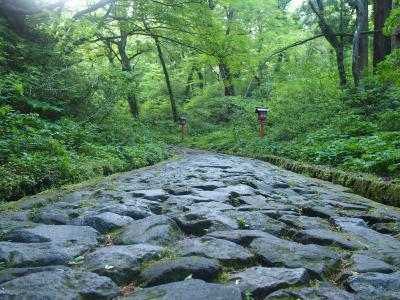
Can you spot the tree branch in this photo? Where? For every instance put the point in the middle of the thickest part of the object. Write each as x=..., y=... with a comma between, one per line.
x=92, y=8
x=301, y=42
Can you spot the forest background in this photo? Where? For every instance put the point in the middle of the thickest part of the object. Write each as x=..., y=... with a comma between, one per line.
x=97, y=88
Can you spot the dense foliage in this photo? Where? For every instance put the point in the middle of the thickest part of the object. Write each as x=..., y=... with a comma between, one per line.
x=92, y=89
x=358, y=131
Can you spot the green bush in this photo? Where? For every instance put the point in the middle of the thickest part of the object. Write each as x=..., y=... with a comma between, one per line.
x=36, y=154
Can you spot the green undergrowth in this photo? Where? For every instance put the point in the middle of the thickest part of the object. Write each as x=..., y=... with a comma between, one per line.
x=377, y=153
x=36, y=154
x=352, y=131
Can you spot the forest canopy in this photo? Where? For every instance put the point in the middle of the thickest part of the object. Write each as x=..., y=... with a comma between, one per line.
x=90, y=88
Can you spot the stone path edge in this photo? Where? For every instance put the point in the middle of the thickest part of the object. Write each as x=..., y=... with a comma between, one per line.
x=30, y=200
x=381, y=192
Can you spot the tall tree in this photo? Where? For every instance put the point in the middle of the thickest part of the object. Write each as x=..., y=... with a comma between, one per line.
x=364, y=39
x=360, y=41
x=334, y=40
x=167, y=79
x=396, y=31
x=382, y=43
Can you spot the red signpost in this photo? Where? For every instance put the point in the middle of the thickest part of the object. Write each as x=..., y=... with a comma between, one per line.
x=262, y=116
x=182, y=121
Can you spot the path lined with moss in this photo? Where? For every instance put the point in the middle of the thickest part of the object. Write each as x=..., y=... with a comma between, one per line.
x=203, y=226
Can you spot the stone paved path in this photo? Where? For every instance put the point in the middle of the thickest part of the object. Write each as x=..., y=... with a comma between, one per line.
x=203, y=226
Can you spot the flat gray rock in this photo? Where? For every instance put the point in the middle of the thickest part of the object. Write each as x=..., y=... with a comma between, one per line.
x=325, y=292
x=226, y=252
x=325, y=237
x=375, y=285
x=194, y=223
x=154, y=230
x=59, y=284
x=62, y=235
x=14, y=273
x=121, y=263
x=107, y=221
x=255, y=201
x=178, y=269
x=39, y=254
x=134, y=208
x=241, y=237
x=364, y=264
x=274, y=251
x=207, y=185
x=260, y=281
x=391, y=228
x=188, y=290
x=256, y=220
x=304, y=222
x=380, y=246
x=12, y=220
x=237, y=190
x=52, y=216
x=219, y=196
x=316, y=210
x=155, y=194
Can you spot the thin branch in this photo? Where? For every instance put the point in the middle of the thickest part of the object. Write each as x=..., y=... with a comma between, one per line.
x=299, y=43
x=92, y=8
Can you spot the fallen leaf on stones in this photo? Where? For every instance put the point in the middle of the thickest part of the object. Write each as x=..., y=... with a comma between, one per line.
x=189, y=277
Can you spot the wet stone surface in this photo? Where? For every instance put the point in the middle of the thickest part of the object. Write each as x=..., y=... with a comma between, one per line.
x=202, y=226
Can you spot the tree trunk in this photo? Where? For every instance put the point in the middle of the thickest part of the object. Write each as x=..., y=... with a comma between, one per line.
x=201, y=79
x=339, y=50
x=189, y=83
x=382, y=44
x=362, y=22
x=331, y=37
x=127, y=67
x=278, y=63
x=364, y=40
x=133, y=106
x=167, y=79
x=227, y=79
x=396, y=34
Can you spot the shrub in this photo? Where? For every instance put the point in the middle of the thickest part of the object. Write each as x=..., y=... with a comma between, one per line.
x=36, y=154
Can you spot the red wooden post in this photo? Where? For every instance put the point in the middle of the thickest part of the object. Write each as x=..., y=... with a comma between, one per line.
x=262, y=133
x=262, y=116
x=182, y=121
